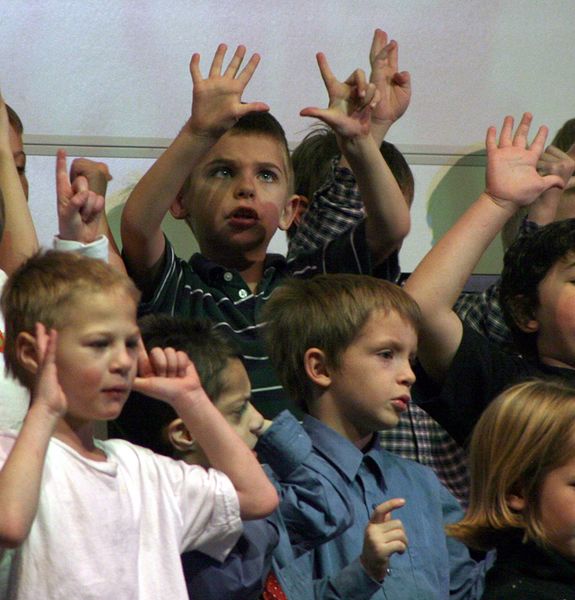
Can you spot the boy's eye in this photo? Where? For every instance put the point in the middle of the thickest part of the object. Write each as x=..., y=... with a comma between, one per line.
x=386, y=354
x=268, y=176
x=98, y=344
x=221, y=172
x=132, y=343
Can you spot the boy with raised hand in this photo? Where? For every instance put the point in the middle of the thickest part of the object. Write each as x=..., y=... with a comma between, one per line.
x=90, y=518
x=469, y=370
x=317, y=508
x=338, y=205
x=348, y=343
x=229, y=175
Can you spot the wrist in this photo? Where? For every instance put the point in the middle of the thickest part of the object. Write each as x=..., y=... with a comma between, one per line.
x=507, y=205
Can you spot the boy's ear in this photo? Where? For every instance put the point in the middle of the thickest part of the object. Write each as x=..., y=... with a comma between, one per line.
x=27, y=352
x=300, y=210
x=178, y=209
x=179, y=436
x=523, y=314
x=516, y=502
x=316, y=367
x=291, y=209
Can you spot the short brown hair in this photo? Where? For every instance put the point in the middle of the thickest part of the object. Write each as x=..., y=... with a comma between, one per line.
x=525, y=433
x=46, y=288
x=326, y=312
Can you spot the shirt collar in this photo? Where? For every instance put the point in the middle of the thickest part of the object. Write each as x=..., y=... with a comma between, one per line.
x=339, y=451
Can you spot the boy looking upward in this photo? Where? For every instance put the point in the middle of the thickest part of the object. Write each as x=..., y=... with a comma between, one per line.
x=463, y=371
x=347, y=346
x=90, y=518
x=229, y=175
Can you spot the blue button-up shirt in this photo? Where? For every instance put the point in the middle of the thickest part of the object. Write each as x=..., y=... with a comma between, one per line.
x=434, y=565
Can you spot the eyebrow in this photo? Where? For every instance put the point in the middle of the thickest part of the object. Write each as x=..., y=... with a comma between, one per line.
x=230, y=162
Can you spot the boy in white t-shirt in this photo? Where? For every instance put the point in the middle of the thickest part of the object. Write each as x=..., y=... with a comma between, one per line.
x=107, y=519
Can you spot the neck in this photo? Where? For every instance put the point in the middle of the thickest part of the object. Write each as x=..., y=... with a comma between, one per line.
x=80, y=437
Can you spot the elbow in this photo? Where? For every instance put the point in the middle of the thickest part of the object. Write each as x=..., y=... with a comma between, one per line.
x=260, y=504
x=13, y=534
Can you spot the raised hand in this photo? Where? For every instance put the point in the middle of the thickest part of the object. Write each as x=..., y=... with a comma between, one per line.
x=47, y=391
x=394, y=86
x=511, y=164
x=96, y=173
x=216, y=103
x=383, y=537
x=555, y=161
x=350, y=102
x=167, y=374
x=79, y=208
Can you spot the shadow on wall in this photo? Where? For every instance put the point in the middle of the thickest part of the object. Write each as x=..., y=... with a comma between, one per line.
x=179, y=234
x=458, y=187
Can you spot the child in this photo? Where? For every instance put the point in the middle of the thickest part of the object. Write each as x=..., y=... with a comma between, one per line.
x=229, y=175
x=463, y=372
x=522, y=461
x=107, y=519
x=322, y=512
x=347, y=345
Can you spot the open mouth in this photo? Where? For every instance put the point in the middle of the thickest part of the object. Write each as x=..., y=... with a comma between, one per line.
x=243, y=216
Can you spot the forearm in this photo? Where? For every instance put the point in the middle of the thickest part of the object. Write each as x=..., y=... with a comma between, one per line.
x=439, y=279
x=19, y=239
x=152, y=197
x=387, y=212
x=21, y=476
x=228, y=453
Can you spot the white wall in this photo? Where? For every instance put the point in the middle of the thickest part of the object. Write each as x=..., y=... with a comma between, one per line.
x=112, y=76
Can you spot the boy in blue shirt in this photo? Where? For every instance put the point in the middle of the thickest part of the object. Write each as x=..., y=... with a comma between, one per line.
x=316, y=507
x=347, y=346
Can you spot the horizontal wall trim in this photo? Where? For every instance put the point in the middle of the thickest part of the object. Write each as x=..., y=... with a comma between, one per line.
x=115, y=147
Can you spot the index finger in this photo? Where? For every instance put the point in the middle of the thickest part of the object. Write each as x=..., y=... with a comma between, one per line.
x=381, y=512
x=326, y=73
x=63, y=185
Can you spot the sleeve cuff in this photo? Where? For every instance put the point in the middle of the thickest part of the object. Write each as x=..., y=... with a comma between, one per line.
x=353, y=582
x=285, y=445
x=96, y=249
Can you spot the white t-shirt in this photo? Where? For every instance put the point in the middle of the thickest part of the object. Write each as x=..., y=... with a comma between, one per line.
x=116, y=529
x=14, y=397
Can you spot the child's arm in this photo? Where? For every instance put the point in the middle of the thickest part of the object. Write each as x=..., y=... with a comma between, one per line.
x=394, y=86
x=21, y=475
x=349, y=111
x=216, y=106
x=170, y=376
x=511, y=181
x=18, y=238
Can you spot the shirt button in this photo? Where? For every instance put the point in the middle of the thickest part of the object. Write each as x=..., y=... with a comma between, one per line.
x=243, y=293
x=228, y=276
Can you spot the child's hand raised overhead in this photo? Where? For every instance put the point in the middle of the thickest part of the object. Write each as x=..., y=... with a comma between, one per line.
x=79, y=208
x=556, y=162
x=48, y=392
x=216, y=103
x=167, y=374
x=512, y=176
x=394, y=86
x=350, y=102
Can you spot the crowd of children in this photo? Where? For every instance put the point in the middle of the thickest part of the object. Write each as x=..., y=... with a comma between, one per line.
x=273, y=420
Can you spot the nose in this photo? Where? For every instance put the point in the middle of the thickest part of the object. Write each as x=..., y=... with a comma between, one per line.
x=123, y=359
x=245, y=187
x=256, y=419
x=407, y=376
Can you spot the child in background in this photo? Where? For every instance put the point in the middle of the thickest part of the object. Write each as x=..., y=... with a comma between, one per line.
x=347, y=346
x=463, y=372
x=321, y=511
x=229, y=175
x=522, y=501
x=90, y=518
